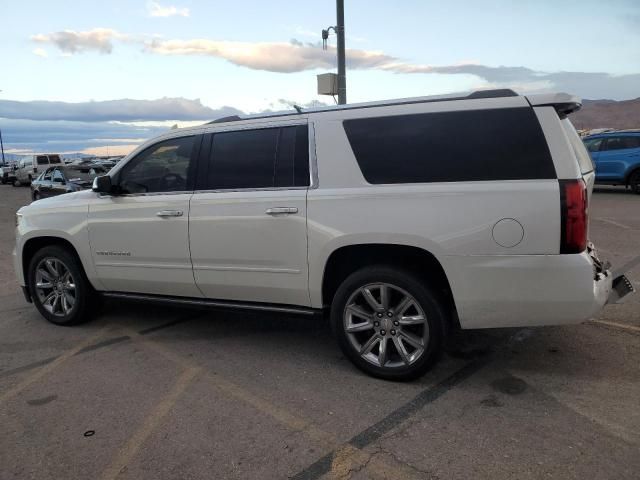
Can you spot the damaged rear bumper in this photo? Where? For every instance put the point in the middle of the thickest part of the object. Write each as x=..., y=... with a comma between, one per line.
x=607, y=289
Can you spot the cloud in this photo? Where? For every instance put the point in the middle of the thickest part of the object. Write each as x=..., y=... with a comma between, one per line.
x=70, y=41
x=24, y=136
x=124, y=110
x=297, y=56
x=157, y=10
x=280, y=57
x=40, y=52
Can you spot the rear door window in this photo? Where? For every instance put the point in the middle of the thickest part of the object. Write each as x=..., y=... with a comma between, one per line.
x=470, y=145
x=621, y=143
x=42, y=160
x=260, y=158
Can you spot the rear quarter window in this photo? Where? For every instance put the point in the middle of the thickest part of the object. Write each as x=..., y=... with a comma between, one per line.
x=471, y=145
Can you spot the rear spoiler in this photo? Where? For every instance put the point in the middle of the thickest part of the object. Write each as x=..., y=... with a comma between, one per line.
x=564, y=103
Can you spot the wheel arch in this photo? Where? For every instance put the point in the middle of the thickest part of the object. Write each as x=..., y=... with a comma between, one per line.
x=32, y=245
x=632, y=170
x=347, y=259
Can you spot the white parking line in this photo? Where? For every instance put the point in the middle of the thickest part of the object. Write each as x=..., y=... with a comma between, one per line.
x=623, y=326
x=613, y=222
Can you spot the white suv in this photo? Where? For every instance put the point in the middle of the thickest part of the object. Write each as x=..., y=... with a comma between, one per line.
x=404, y=219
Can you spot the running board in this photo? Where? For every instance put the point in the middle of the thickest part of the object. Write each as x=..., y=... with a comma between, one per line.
x=206, y=303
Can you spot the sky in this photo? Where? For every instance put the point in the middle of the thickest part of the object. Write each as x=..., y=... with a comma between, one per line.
x=90, y=76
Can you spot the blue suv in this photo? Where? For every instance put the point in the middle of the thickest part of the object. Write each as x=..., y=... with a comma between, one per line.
x=616, y=156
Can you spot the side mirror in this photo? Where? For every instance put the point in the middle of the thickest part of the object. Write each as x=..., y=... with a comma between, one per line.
x=103, y=185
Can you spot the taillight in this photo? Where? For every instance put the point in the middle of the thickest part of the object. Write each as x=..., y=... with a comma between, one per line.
x=573, y=216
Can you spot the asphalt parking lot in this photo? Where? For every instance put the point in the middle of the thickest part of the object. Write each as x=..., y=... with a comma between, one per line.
x=149, y=392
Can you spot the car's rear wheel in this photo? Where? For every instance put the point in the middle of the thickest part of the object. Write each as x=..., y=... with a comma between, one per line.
x=634, y=182
x=388, y=323
x=59, y=287
x=36, y=196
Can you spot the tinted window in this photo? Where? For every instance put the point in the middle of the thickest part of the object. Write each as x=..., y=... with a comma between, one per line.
x=42, y=160
x=46, y=176
x=621, y=143
x=261, y=158
x=504, y=144
x=163, y=167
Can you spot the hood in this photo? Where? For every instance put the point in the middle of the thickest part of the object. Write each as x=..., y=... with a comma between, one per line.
x=73, y=199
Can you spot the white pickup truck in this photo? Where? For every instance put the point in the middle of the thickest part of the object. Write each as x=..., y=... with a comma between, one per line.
x=403, y=219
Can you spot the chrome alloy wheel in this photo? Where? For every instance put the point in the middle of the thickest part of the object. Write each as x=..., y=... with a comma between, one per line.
x=386, y=325
x=55, y=286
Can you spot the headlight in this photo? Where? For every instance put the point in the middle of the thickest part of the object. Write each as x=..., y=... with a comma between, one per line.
x=18, y=219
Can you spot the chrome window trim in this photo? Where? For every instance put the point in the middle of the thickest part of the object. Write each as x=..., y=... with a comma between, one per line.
x=313, y=162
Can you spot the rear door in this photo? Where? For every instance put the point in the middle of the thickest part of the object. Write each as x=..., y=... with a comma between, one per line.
x=247, y=222
x=615, y=155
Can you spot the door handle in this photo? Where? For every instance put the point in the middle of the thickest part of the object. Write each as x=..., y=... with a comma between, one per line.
x=169, y=213
x=281, y=210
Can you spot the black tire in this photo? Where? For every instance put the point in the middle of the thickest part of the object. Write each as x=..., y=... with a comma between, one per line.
x=36, y=196
x=404, y=282
x=16, y=183
x=634, y=182
x=83, y=292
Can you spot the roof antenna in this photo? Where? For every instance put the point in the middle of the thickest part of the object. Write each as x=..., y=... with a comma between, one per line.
x=298, y=108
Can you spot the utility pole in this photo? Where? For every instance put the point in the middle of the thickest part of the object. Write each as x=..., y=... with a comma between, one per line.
x=330, y=83
x=2, y=148
x=342, y=74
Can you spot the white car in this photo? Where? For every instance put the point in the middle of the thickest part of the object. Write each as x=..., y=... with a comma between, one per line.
x=403, y=219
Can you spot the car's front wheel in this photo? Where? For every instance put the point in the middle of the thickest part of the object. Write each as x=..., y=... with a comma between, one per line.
x=58, y=286
x=36, y=196
x=388, y=322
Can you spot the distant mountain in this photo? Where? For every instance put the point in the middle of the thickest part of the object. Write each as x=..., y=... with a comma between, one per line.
x=607, y=114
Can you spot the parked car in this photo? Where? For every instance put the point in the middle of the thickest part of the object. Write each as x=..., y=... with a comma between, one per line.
x=403, y=220
x=7, y=174
x=30, y=167
x=616, y=156
x=64, y=179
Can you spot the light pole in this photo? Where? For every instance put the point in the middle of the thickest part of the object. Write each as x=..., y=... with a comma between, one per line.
x=342, y=70
x=2, y=146
x=342, y=74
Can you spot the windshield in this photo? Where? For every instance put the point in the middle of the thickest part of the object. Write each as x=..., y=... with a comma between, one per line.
x=82, y=174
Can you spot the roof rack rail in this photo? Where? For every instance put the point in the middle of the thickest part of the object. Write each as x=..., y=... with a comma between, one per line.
x=230, y=118
x=479, y=94
x=495, y=93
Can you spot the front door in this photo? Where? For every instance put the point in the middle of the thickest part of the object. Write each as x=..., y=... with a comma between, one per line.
x=140, y=235
x=248, y=216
